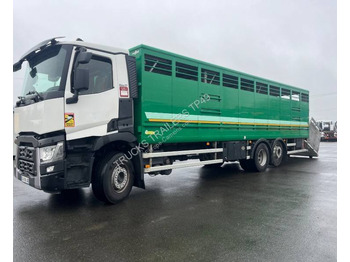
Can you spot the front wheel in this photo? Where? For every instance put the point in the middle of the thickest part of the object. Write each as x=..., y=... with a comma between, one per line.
x=113, y=179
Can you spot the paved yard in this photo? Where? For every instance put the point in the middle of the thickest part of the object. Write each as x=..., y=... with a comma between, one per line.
x=195, y=214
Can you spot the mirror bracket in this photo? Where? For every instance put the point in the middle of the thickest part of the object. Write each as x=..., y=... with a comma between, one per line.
x=73, y=99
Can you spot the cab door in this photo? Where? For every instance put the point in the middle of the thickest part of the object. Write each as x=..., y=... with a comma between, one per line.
x=98, y=105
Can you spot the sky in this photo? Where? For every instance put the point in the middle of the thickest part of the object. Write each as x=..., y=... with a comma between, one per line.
x=292, y=42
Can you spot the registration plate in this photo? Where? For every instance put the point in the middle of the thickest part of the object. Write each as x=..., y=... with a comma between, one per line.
x=25, y=179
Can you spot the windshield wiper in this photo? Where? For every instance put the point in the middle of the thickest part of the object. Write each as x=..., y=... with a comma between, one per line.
x=30, y=98
x=37, y=95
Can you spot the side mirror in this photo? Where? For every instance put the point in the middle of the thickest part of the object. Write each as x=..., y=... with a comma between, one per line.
x=81, y=79
x=81, y=83
x=83, y=58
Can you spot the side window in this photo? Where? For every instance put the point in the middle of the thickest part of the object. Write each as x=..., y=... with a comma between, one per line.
x=275, y=91
x=210, y=77
x=100, y=75
x=186, y=71
x=261, y=88
x=247, y=85
x=295, y=96
x=158, y=65
x=230, y=81
x=305, y=98
x=285, y=94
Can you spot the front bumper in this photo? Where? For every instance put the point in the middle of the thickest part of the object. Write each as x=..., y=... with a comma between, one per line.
x=31, y=171
x=51, y=182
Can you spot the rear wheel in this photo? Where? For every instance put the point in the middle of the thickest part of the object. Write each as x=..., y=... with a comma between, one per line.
x=277, y=153
x=113, y=179
x=261, y=158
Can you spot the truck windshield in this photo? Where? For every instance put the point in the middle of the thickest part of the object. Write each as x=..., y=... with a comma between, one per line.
x=44, y=71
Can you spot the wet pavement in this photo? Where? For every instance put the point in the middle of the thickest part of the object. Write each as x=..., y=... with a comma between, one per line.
x=195, y=214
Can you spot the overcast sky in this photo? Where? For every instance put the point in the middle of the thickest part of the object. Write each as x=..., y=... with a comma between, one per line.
x=293, y=42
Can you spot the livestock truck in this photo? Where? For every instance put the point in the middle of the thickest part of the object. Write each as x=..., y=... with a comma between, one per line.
x=103, y=116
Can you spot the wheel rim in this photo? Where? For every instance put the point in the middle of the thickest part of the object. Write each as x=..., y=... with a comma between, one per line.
x=277, y=151
x=120, y=178
x=262, y=157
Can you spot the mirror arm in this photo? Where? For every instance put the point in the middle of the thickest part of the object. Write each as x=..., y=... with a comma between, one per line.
x=74, y=98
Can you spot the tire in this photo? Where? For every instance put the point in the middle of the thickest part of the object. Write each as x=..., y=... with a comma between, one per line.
x=111, y=182
x=278, y=153
x=261, y=158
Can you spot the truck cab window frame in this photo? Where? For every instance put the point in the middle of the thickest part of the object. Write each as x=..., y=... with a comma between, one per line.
x=100, y=75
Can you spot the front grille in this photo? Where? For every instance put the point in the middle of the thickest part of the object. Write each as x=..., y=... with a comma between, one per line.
x=26, y=166
x=26, y=152
x=26, y=159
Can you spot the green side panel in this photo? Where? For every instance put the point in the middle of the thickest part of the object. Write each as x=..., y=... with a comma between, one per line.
x=304, y=111
x=230, y=108
x=173, y=104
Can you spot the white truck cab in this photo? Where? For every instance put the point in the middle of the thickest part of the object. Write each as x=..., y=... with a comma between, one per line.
x=59, y=137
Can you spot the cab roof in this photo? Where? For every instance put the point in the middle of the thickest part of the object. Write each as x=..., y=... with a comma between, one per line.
x=53, y=41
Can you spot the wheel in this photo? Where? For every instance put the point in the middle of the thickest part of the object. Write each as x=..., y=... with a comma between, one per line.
x=261, y=158
x=113, y=179
x=277, y=153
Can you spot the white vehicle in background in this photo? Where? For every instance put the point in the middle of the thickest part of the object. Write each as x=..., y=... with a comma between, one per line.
x=328, y=129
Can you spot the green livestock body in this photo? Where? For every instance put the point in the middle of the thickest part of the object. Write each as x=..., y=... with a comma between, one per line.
x=186, y=100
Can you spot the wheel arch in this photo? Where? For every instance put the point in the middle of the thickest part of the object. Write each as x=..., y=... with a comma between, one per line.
x=121, y=142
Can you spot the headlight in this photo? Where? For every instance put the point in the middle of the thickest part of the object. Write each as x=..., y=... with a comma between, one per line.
x=52, y=153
